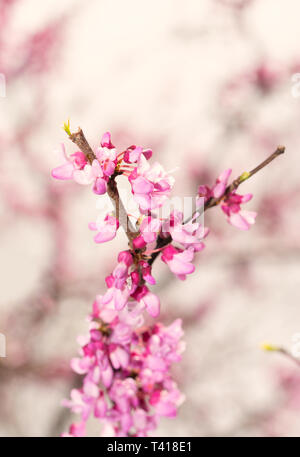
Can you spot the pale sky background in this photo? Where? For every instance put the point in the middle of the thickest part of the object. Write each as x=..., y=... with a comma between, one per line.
x=154, y=70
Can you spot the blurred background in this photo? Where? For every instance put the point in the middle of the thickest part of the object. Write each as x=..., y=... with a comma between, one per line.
x=207, y=85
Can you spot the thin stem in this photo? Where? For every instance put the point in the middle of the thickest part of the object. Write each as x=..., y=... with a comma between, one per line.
x=244, y=177
x=162, y=242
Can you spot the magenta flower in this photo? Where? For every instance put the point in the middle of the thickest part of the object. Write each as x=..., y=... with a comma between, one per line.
x=151, y=185
x=131, y=367
x=221, y=184
x=133, y=154
x=241, y=219
x=230, y=202
x=77, y=168
x=107, y=155
x=119, y=289
x=187, y=234
x=179, y=261
x=126, y=365
x=149, y=228
x=148, y=300
x=76, y=161
x=76, y=430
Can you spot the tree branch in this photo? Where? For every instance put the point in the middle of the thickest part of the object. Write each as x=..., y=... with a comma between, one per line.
x=162, y=242
x=79, y=139
x=244, y=177
x=121, y=214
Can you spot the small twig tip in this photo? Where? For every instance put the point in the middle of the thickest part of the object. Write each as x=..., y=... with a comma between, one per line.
x=281, y=149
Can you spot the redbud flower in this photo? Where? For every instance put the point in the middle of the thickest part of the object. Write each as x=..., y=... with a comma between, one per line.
x=133, y=154
x=76, y=161
x=179, y=261
x=107, y=229
x=187, y=234
x=230, y=202
x=133, y=366
x=240, y=219
x=151, y=185
x=148, y=300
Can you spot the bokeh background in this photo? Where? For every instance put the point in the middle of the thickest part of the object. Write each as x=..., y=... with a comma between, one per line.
x=207, y=85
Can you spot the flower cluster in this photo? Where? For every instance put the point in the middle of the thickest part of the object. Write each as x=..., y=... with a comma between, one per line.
x=127, y=282
x=127, y=383
x=126, y=367
x=78, y=168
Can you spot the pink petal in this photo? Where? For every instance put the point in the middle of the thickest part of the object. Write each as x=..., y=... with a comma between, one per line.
x=142, y=186
x=84, y=176
x=238, y=221
x=219, y=190
x=152, y=304
x=90, y=389
x=181, y=268
x=100, y=406
x=64, y=171
x=107, y=233
x=156, y=363
x=225, y=176
x=107, y=376
x=99, y=186
x=92, y=226
x=167, y=409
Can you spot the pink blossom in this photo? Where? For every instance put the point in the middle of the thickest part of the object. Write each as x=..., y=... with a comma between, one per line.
x=119, y=289
x=76, y=430
x=88, y=173
x=133, y=372
x=241, y=219
x=150, y=184
x=149, y=228
x=231, y=202
x=148, y=300
x=187, y=234
x=133, y=154
x=107, y=229
x=107, y=155
x=221, y=184
x=76, y=161
x=146, y=272
x=127, y=384
x=179, y=261
x=218, y=189
x=77, y=167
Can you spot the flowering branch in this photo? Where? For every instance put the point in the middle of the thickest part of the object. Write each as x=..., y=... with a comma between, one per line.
x=79, y=139
x=126, y=366
x=244, y=177
x=214, y=201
